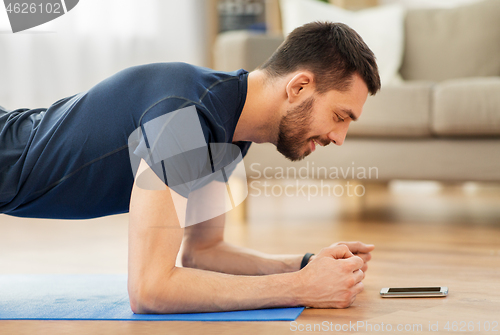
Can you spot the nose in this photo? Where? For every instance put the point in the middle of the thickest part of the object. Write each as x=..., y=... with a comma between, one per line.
x=338, y=135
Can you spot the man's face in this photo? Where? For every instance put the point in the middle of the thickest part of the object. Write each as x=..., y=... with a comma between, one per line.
x=320, y=119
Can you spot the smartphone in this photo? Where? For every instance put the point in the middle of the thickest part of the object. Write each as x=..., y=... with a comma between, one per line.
x=414, y=292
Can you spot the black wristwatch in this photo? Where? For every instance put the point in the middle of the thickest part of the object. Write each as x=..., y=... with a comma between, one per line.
x=305, y=260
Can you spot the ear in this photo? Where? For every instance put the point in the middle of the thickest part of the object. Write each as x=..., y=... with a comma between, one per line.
x=297, y=87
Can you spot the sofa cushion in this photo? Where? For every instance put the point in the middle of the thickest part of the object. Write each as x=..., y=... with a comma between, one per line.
x=467, y=107
x=398, y=110
x=380, y=27
x=451, y=43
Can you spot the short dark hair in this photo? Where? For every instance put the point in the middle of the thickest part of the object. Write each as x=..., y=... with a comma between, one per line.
x=333, y=52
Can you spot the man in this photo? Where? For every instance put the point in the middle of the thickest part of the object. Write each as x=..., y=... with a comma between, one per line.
x=71, y=161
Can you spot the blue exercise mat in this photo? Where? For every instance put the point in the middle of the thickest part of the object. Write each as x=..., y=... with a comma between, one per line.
x=99, y=297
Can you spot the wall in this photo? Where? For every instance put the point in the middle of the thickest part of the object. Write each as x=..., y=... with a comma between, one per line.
x=93, y=41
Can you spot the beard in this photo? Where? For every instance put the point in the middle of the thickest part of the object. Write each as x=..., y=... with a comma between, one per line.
x=293, y=130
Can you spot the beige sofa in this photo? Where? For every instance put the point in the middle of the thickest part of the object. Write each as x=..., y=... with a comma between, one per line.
x=441, y=122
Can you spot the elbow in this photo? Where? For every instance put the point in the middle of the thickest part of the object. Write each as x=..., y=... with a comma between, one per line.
x=134, y=304
x=140, y=300
x=138, y=307
x=147, y=296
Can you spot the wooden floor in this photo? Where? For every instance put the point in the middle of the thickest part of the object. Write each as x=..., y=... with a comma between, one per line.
x=425, y=235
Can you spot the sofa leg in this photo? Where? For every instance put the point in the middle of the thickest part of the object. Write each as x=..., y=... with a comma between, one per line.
x=357, y=196
x=363, y=200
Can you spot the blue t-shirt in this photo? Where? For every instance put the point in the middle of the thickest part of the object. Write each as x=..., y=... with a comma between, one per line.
x=71, y=161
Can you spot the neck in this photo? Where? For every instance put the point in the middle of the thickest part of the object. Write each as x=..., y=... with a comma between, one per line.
x=260, y=116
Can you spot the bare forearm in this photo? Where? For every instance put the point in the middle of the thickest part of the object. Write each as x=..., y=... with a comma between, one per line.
x=194, y=290
x=228, y=258
x=156, y=285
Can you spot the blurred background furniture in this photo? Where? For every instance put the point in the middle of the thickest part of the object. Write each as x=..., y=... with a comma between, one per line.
x=438, y=119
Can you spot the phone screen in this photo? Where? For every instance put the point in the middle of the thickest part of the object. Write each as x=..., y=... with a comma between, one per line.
x=414, y=289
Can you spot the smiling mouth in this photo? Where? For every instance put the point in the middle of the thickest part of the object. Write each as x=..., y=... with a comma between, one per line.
x=313, y=143
x=318, y=142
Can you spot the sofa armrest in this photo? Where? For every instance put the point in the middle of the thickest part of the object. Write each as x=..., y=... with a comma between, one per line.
x=242, y=49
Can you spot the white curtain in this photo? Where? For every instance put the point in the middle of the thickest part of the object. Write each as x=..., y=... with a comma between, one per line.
x=94, y=40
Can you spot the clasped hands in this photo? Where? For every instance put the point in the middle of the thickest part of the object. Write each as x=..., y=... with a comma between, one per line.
x=333, y=277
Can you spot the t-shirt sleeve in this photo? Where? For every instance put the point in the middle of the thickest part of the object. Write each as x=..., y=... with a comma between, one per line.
x=174, y=139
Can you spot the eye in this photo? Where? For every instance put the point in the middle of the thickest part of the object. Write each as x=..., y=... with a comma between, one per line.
x=339, y=118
